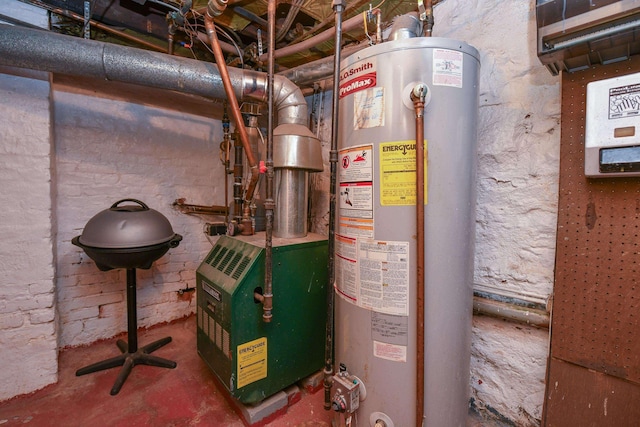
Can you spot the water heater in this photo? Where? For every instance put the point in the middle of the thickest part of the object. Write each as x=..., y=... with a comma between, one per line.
x=375, y=248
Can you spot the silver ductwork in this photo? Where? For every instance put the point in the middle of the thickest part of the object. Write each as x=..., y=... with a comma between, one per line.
x=47, y=51
x=298, y=149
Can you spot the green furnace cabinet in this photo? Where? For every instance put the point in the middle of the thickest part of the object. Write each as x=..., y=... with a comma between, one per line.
x=254, y=359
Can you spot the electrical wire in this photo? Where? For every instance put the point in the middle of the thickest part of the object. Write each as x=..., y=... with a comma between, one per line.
x=366, y=30
x=165, y=4
x=293, y=12
x=192, y=29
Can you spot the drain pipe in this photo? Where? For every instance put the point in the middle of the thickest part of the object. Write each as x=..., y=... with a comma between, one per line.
x=338, y=8
x=269, y=205
x=418, y=96
x=216, y=8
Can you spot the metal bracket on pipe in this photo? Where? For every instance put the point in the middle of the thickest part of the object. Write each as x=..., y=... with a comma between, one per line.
x=87, y=20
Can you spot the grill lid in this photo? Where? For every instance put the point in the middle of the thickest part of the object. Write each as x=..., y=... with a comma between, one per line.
x=126, y=226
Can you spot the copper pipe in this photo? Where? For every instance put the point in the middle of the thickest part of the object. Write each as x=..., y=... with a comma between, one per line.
x=418, y=97
x=101, y=26
x=226, y=47
x=378, y=14
x=426, y=16
x=199, y=209
x=235, y=113
x=269, y=203
x=351, y=6
x=350, y=24
x=170, y=43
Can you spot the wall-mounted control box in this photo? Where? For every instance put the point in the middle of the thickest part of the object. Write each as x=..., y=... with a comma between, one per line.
x=612, y=132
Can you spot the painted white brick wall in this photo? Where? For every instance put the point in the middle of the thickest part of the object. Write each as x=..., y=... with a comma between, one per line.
x=28, y=346
x=106, y=150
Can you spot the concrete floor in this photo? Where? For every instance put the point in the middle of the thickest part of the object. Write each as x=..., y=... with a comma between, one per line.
x=185, y=396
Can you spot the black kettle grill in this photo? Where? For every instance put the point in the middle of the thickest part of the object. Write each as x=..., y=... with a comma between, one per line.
x=128, y=236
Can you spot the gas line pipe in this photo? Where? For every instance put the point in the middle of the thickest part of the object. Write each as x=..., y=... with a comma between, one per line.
x=269, y=204
x=338, y=8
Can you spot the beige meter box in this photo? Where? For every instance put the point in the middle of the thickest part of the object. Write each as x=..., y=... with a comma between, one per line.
x=612, y=133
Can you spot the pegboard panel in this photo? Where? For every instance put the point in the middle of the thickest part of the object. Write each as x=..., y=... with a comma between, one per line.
x=582, y=397
x=596, y=310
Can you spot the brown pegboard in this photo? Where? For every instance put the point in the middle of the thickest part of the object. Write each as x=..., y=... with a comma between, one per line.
x=596, y=310
x=582, y=397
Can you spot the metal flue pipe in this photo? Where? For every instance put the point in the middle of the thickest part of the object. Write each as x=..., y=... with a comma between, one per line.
x=47, y=51
x=338, y=7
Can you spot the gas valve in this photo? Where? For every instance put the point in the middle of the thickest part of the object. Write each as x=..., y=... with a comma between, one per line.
x=347, y=391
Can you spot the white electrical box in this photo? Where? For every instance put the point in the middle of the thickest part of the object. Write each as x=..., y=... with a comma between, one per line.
x=612, y=133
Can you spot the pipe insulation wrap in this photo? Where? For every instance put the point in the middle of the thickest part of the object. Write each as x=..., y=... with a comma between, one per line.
x=47, y=51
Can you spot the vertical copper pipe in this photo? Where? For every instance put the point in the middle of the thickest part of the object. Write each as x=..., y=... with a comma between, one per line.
x=338, y=8
x=170, y=42
x=427, y=17
x=418, y=97
x=235, y=111
x=269, y=204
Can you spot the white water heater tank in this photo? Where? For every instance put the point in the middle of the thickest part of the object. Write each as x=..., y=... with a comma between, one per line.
x=376, y=227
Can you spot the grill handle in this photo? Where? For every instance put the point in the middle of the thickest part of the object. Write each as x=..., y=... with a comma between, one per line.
x=144, y=206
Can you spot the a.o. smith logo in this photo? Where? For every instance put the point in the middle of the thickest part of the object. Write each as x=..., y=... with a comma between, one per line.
x=359, y=83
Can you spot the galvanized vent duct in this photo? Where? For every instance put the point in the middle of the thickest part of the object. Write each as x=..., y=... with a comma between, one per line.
x=297, y=150
x=48, y=51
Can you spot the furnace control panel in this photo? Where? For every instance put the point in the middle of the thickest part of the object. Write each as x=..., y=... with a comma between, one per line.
x=612, y=132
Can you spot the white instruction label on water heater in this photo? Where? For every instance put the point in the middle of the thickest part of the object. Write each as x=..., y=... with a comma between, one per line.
x=390, y=336
x=447, y=67
x=373, y=274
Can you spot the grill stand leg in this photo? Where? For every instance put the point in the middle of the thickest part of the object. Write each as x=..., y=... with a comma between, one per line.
x=131, y=354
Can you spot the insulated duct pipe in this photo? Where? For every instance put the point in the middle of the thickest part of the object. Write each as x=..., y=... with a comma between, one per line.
x=47, y=51
x=338, y=8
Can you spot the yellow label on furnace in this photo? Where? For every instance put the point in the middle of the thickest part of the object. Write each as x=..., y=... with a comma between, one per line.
x=252, y=361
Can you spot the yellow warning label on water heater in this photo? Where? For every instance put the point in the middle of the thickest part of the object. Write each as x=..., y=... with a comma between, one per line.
x=252, y=361
x=398, y=173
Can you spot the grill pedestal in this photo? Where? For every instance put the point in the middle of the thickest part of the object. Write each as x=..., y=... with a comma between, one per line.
x=131, y=354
